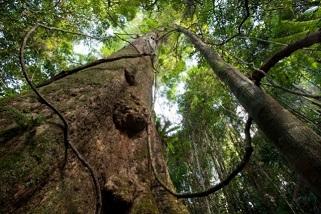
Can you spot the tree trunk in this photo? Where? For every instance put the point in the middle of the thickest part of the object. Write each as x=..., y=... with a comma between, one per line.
x=200, y=178
x=297, y=143
x=108, y=107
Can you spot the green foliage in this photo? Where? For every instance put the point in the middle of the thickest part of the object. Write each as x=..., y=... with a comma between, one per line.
x=50, y=51
x=23, y=120
x=213, y=124
x=209, y=141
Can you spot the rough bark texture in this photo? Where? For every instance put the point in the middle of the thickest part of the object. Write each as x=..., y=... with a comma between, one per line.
x=107, y=113
x=296, y=142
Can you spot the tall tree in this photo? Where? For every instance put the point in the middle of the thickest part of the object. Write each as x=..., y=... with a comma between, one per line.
x=299, y=144
x=106, y=110
x=101, y=112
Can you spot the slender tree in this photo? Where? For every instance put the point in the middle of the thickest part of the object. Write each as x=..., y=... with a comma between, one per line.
x=300, y=145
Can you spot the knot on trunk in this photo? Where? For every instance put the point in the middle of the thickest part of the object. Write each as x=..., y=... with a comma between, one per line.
x=130, y=116
x=130, y=77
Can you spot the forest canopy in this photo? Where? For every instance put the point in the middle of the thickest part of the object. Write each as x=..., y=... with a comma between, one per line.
x=276, y=44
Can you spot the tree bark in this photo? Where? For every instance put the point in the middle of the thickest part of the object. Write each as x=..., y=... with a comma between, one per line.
x=297, y=143
x=107, y=107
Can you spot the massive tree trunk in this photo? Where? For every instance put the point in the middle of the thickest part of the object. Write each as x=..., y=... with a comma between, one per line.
x=300, y=145
x=108, y=107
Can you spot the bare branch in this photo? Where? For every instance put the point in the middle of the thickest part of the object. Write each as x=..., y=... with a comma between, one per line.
x=307, y=41
x=58, y=3
x=239, y=29
x=71, y=32
x=273, y=83
x=152, y=5
x=292, y=91
x=263, y=40
x=65, y=73
x=118, y=35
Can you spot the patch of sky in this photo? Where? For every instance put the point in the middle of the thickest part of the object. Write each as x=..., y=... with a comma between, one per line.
x=85, y=47
x=311, y=9
x=215, y=179
x=167, y=110
x=15, y=84
x=91, y=47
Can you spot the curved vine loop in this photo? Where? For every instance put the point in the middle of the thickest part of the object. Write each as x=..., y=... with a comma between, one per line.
x=212, y=189
x=67, y=143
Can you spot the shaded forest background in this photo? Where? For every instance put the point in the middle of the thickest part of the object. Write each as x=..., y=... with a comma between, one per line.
x=206, y=140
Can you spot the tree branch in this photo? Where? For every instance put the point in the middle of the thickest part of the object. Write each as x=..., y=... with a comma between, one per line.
x=293, y=92
x=67, y=143
x=90, y=36
x=71, y=32
x=239, y=29
x=273, y=83
x=309, y=40
x=65, y=73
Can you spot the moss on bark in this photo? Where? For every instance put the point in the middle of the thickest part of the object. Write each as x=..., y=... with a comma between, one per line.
x=30, y=166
